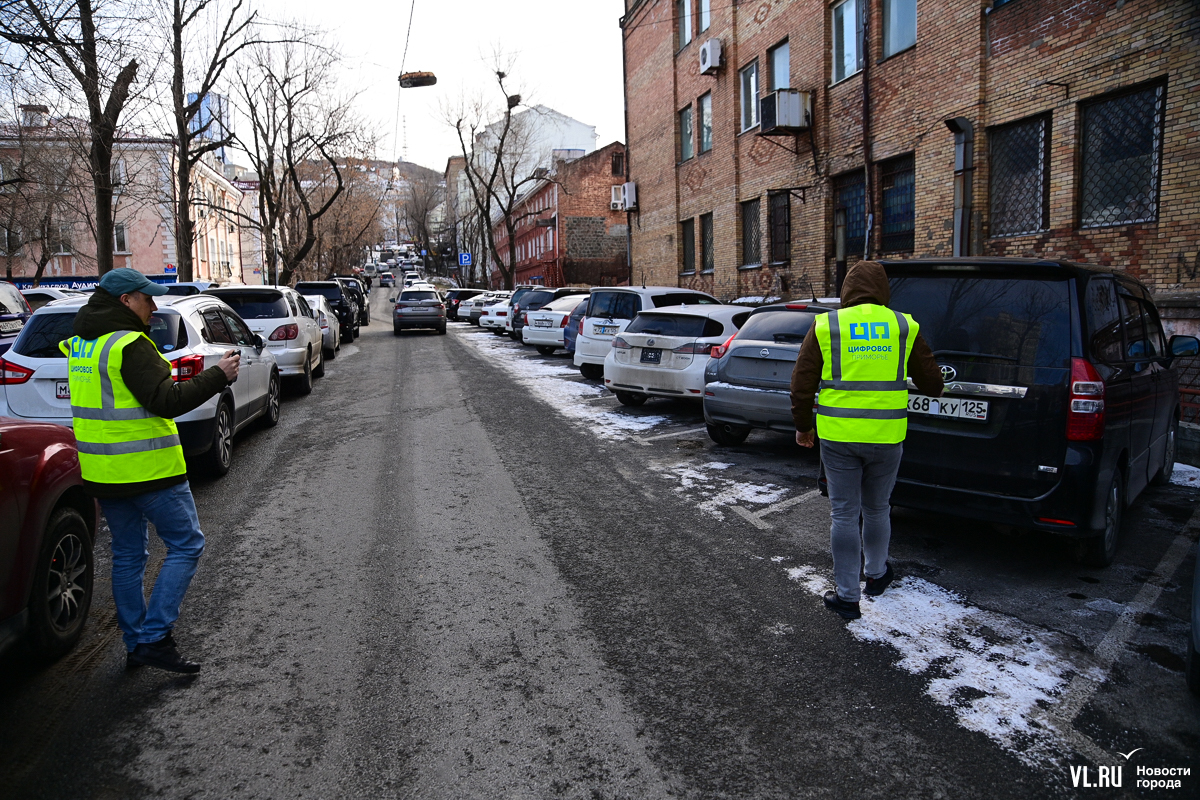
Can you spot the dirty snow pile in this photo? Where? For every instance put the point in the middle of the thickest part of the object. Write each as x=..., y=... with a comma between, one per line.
x=556, y=384
x=1186, y=475
x=997, y=673
x=711, y=491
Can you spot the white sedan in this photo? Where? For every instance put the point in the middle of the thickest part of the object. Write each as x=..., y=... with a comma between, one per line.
x=327, y=318
x=545, y=327
x=495, y=315
x=664, y=352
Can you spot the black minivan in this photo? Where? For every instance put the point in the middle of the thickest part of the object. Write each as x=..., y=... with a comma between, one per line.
x=1061, y=399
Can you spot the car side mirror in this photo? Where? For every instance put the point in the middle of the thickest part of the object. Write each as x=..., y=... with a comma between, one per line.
x=1183, y=346
x=391, y=299
x=259, y=344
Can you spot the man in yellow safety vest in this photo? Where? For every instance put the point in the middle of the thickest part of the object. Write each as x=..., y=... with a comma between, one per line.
x=123, y=401
x=860, y=357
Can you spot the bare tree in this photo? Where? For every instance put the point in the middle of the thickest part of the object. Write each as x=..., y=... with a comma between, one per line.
x=423, y=194
x=83, y=46
x=36, y=209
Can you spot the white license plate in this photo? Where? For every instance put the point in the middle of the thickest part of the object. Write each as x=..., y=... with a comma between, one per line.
x=541, y=323
x=11, y=326
x=957, y=407
x=62, y=390
x=605, y=330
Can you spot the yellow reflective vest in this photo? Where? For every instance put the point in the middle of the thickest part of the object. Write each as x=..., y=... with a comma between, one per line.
x=864, y=375
x=119, y=441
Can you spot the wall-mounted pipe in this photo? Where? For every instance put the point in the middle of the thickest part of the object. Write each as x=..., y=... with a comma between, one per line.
x=964, y=171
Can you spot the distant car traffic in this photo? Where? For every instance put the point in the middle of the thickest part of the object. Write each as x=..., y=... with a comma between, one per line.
x=387, y=279
x=341, y=299
x=282, y=317
x=359, y=293
x=455, y=297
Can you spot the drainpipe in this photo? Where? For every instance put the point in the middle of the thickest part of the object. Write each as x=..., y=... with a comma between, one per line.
x=868, y=189
x=964, y=169
x=628, y=172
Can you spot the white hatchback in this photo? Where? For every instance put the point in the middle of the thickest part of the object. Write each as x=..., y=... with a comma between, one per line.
x=193, y=332
x=545, y=327
x=611, y=308
x=283, y=318
x=664, y=352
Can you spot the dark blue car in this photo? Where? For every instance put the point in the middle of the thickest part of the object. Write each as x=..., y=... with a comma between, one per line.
x=14, y=310
x=573, y=323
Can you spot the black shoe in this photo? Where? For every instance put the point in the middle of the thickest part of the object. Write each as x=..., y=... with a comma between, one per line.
x=131, y=664
x=875, y=586
x=844, y=608
x=162, y=655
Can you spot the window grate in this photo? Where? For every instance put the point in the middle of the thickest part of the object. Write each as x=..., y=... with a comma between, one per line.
x=1122, y=154
x=897, y=185
x=751, y=234
x=1019, y=197
x=781, y=227
x=850, y=193
x=706, y=243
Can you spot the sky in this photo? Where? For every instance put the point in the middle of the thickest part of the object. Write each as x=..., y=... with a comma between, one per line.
x=566, y=55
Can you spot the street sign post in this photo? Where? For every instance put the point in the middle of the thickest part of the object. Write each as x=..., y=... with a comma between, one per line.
x=464, y=259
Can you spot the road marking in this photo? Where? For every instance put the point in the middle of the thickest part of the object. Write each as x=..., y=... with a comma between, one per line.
x=648, y=439
x=792, y=501
x=751, y=517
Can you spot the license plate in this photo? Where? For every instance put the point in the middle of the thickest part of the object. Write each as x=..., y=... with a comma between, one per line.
x=956, y=407
x=541, y=323
x=62, y=390
x=604, y=330
x=11, y=326
x=651, y=355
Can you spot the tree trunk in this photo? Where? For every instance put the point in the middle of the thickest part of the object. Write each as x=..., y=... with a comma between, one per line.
x=184, y=226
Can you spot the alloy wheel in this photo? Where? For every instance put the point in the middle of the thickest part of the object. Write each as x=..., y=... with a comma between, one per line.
x=67, y=587
x=224, y=441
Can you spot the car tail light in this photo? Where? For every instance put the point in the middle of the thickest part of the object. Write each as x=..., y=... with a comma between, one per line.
x=694, y=348
x=285, y=332
x=620, y=344
x=580, y=331
x=524, y=319
x=720, y=350
x=1085, y=412
x=565, y=321
x=186, y=368
x=501, y=313
x=796, y=306
x=1054, y=521
x=12, y=374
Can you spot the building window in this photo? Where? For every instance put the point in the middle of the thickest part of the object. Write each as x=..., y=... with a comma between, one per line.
x=705, y=14
x=687, y=238
x=779, y=208
x=749, y=82
x=1020, y=189
x=704, y=108
x=751, y=234
x=1122, y=158
x=120, y=245
x=898, y=196
x=685, y=134
x=847, y=39
x=618, y=165
x=119, y=176
x=899, y=25
x=706, y=243
x=850, y=194
x=683, y=15
x=61, y=242
x=780, y=61
x=10, y=241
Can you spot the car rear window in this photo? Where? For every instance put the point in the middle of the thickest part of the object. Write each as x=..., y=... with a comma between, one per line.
x=675, y=325
x=418, y=296
x=613, y=305
x=330, y=291
x=256, y=305
x=11, y=301
x=683, y=298
x=43, y=332
x=778, y=326
x=563, y=304
x=535, y=300
x=989, y=318
x=184, y=290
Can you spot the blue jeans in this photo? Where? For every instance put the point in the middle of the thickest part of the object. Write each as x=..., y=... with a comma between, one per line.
x=860, y=478
x=173, y=512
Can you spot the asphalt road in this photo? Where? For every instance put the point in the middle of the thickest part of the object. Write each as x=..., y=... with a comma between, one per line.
x=456, y=570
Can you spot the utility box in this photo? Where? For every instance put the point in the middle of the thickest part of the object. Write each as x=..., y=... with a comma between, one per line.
x=784, y=112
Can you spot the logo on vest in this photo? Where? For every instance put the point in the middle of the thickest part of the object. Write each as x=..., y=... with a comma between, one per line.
x=82, y=348
x=869, y=331
x=859, y=330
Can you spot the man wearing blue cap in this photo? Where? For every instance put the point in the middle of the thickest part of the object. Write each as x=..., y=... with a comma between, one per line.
x=124, y=401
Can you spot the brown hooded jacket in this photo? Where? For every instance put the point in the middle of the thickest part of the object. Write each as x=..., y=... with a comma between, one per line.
x=866, y=282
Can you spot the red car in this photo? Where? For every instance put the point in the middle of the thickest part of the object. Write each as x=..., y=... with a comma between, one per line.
x=47, y=530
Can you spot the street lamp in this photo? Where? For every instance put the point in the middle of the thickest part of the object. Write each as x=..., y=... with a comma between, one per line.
x=412, y=80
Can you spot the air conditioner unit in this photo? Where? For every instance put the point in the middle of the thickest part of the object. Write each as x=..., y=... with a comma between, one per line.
x=629, y=196
x=617, y=202
x=785, y=111
x=710, y=57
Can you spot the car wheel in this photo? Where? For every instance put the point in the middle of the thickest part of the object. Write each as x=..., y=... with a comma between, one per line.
x=593, y=372
x=498, y=331
x=319, y=372
x=62, y=587
x=305, y=384
x=395, y=330
x=442, y=329
x=1168, y=467
x=632, y=399
x=1099, y=551
x=546, y=349
x=271, y=417
x=329, y=355
x=728, y=435
x=219, y=457
x=516, y=337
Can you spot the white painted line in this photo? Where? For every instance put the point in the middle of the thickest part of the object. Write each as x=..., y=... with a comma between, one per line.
x=751, y=517
x=791, y=501
x=646, y=439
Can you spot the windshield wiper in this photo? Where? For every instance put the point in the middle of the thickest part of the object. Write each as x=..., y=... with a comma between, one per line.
x=969, y=354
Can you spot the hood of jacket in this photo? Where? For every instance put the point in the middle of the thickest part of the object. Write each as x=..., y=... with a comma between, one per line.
x=866, y=282
x=105, y=314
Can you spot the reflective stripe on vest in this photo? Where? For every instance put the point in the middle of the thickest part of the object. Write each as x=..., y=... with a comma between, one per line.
x=118, y=440
x=864, y=381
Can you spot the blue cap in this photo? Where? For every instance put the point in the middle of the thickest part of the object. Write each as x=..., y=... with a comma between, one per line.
x=125, y=280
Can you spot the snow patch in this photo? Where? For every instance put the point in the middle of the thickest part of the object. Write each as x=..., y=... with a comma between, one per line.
x=712, y=492
x=997, y=673
x=1186, y=475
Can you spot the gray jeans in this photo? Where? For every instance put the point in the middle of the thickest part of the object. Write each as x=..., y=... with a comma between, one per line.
x=861, y=477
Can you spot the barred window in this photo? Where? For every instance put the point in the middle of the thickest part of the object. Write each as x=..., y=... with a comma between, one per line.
x=850, y=193
x=751, y=234
x=780, y=223
x=1020, y=190
x=706, y=243
x=897, y=187
x=687, y=238
x=1122, y=158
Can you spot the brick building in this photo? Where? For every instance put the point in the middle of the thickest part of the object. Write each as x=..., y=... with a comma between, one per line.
x=571, y=231
x=1081, y=114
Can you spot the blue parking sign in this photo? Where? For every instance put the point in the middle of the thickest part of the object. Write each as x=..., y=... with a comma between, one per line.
x=464, y=259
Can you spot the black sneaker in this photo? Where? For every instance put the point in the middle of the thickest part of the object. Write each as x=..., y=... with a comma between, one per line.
x=161, y=655
x=875, y=586
x=844, y=608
